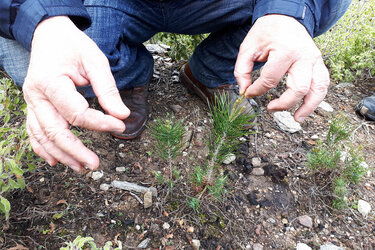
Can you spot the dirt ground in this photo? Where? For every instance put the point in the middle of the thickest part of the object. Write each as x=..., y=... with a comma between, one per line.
x=58, y=204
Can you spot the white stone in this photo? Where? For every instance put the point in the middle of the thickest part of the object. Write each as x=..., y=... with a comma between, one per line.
x=121, y=154
x=315, y=137
x=325, y=106
x=256, y=162
x=97, y=175
x=258, y=171
x=138, y=227
x=364, y=207
x=331, y=247
x=257, y=246
x=144, y=243
x=229, y=159
x=120, y=169
x=104, y=186
x=306, y=221
x=344, y=85
x=196, y=244
x=303, y=246
x=166, y=225
x=286, y=121
x=155, y=48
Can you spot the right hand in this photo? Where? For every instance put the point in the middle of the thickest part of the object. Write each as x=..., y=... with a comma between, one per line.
x=63, y=57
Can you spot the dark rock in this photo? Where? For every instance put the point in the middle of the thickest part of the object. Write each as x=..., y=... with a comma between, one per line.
x=277, y=174
x=252, y=198
x=265, y=203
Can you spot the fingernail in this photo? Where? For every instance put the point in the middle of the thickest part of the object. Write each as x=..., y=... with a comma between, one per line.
x=75, y=168
x=301, y=119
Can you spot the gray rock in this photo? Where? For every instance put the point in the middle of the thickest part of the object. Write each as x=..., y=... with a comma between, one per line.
x=257, y=246
x=364, y=207
x=147, y=199
x=286, y=121
x=166, y=225
x=196, y=244
x=306, y=221
x=256, y=162
x=330, y=246
x=144, y=243
x=176, y=108
x=344, y=85
x=175, y=79
x=325, y=106
x=156, y=49
x=104, y=186
x=229, y=159
x=120, y=169
x=258, y=171
x=303, y=246
x=97, y=175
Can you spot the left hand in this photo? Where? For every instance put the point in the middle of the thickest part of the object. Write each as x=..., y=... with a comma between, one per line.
x=288, y=48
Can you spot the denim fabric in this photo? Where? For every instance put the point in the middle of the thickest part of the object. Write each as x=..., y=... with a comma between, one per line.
x=120, y=27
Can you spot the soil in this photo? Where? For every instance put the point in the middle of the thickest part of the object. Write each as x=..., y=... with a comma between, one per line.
x=59, y=204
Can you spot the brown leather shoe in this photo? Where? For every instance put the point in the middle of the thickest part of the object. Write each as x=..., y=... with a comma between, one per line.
x=136, y=100
x=208, y=94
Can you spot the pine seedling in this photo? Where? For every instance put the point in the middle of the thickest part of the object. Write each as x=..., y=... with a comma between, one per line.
x=169, y=137
x=228, y=123
x=339, y=160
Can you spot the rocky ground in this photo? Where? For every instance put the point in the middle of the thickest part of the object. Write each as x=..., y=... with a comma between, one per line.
x=274, y=201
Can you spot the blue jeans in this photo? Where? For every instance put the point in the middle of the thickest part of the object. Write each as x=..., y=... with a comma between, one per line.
x=120, y=27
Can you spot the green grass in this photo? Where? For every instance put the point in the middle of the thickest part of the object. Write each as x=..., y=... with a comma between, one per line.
x=348, y=48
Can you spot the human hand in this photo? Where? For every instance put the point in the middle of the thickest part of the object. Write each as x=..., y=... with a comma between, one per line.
x=63, y=57
x=288, y=48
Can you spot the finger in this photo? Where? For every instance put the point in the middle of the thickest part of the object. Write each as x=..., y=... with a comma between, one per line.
x=76, y=109
x=243, y=68
x=48, y=146
x=38, y=149
x=318, y=90
x=55, y=131
x=298, y=82
x=102, y=81
x=274, y=69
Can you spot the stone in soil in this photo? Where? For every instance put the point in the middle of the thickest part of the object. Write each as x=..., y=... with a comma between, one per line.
x=303, y=246
x=306, y=221
x=229, y=159
x=120, y=169
x=176, y=108
x=97, y=175
x=258, y=171
x=364, y=207
x=256, y=162
x=144, y=243
x=257, y=246
x=104, y=186
x=325, y=106
x=196, y=244
x=286, y=121
x=147, y=199
x=330, y=247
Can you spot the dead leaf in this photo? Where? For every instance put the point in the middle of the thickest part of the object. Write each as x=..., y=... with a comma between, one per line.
x=138, y=165
x=165, y=213
x=169, y=236
x=52, y=228
x=62, y=202
x=18, y=247
x=115, y=239
x=29, y=189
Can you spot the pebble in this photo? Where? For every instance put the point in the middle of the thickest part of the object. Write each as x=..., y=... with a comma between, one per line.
x=176, y=108
x=175, y=79
x=121, y=154
x=286, y=122
x=364, y=207
x=104, y=186
x=257, y=246
x=97, y=175
x=229, y=158
x=144, y=243
x=284, y=221
x=272, y=220
x=120, y=169
x=256, y=162
x=257, y=171
x=196, y=244
x=315, y=137
x=330, y=247
x=344, y=85
x=325, y=106
x=155, y=48
x=303, y=246
x=137, y=227
x=166, y=225
x=306, y=221
x=147, y=199
x=121, y=145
